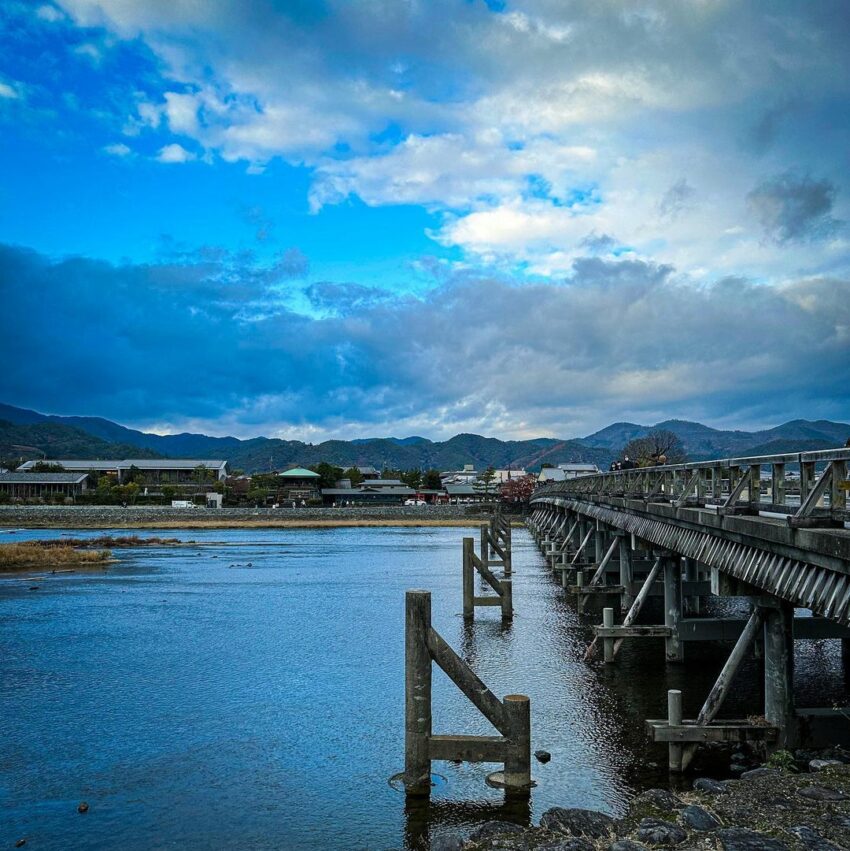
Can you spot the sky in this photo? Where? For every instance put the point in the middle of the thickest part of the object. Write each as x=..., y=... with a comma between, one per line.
x=315, y=219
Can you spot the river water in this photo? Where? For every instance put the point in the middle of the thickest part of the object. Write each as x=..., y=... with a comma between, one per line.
x=247, y=691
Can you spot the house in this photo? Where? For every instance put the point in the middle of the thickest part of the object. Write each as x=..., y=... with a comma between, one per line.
x=299, y=484
x=466, y=493
x=43, y=485
x=390, y=492
x=566, y=471
x=368, y=472
x=176, y=472
x=503, y=476
x=465, y=476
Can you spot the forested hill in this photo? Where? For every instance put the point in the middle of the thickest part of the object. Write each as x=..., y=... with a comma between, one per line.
x=93, y=437
x=60, y=441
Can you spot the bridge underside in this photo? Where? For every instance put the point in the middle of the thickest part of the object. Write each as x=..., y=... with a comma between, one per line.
x=612, y=553
x=809, y=568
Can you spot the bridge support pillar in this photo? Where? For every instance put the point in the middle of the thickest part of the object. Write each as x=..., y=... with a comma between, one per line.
x=779, y=670
x=626, y=571
x=672, y=566
x=598, y=543
x=845, y=659
x=692, y=575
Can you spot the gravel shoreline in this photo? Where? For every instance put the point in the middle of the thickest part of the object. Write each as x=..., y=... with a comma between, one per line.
x=766, y=810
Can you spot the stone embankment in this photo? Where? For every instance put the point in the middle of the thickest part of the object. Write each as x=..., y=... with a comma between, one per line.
x=766, y=810
x=136, y=517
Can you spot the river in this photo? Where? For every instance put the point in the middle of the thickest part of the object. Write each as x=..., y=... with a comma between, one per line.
x=246, y=691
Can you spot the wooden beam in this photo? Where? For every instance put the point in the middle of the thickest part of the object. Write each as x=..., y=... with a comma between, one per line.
x=468, y=748
x=468, y=682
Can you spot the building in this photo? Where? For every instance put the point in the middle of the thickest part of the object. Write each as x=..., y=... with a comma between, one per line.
x=176, y=472
x=566, y=471
x=299, y=484
x=371, y=492
x=503, y=476
x=368, y=472
x=466, y=476
x=43, y=485
x=467, y=493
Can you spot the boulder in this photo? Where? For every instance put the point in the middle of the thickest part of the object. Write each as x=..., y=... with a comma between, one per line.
x=446, y=842
x=821, y=793
x=821, y=764
x=657, y=799
x=573, y=821
x=626, y=845
x=811, y=839
x=656, y=831
x=762, y=771
x=697, y=818
x=494, y=828
x=742, y=839
x=710, y=787
x=574, y=844
x=542, y=756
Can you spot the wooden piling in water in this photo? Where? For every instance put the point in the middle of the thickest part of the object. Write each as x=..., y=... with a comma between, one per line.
x=417, y=694
x=510, y=716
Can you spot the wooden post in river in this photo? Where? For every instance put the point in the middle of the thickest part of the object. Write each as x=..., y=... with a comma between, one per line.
x=511, y=716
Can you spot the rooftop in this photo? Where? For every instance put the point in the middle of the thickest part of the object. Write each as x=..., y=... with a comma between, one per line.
x=42, y=478
x=299, y=473
x=126, y=463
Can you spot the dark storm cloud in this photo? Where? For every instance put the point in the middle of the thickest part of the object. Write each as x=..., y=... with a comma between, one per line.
x=794, y=208
x=616, y=340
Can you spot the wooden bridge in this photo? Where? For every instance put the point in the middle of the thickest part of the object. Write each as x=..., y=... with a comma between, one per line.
x=769, y=528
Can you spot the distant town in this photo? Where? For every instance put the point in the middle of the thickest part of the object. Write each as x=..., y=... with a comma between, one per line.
x=183, y=482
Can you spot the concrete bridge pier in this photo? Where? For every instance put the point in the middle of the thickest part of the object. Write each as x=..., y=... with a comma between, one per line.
x=779, y=669
x=626, y=543
x=671, y=565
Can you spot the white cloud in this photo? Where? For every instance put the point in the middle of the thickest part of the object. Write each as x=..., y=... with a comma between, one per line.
x=90, y=51
x=119, y=149
x=503, y=122
x=49, y=13
x=8, y=91
x=175, y=153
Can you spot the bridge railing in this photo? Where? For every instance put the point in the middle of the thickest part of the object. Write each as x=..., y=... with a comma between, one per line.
x=815, y=494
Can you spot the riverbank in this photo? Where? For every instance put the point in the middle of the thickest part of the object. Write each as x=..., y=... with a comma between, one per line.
x=158, y=517
x=766, y=810
x=33, y=555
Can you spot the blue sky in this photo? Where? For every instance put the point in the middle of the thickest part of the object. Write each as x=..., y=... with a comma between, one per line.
x=355, y=219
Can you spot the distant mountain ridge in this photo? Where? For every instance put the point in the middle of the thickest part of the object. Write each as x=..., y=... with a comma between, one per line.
x=94, y=437
x=703, y=442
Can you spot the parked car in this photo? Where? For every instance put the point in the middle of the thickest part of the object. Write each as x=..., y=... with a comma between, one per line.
x=415, y=502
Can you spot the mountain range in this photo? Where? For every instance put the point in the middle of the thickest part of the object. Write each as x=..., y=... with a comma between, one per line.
x=26, y=433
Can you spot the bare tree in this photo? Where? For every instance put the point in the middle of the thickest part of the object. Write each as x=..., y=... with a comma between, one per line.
x=659, y=446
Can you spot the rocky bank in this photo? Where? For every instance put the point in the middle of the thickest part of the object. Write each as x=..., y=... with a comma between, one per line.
x=765, y=810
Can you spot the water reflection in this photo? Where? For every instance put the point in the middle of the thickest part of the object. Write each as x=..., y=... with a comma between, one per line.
x=195, y=700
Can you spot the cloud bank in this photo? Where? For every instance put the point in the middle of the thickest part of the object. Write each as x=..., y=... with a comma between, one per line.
x=213, y=340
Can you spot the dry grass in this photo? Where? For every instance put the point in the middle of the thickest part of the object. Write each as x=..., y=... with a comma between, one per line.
x=30, y=555
x=110, y=542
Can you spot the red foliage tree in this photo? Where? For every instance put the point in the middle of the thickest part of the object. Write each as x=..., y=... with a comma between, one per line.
x=518, y=490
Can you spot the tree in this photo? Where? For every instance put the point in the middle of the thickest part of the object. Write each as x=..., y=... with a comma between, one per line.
x=659, y=446
x=431, y=480
x=518, y=490
x=388, y=473
x=354, y=476
x=412, y=478
x=486, y=479
x=47, y=467
x=201, y=473
x=330, y=474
